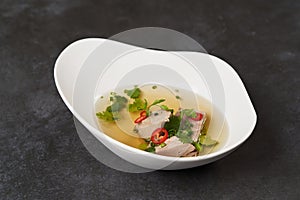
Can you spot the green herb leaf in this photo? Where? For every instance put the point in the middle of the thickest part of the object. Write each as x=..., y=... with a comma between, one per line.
x=163, y=144
x=189, y=113
x=198, y=146
x=137, y=105
x=157, y=101
x=154, y=87
x=133, y=93
x=111, y=112
x=185, y=136
x=166, y=108
x=150, y=149
x=172, y=125
x=107, y=115
x=186, y=125
x=143, y=146
x=207, y=141
x=119, y=103
x=204, y=130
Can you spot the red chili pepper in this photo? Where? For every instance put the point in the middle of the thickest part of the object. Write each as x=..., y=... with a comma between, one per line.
x=159, y=136
x=140, y=119
x=143, y=115
x=198, y=117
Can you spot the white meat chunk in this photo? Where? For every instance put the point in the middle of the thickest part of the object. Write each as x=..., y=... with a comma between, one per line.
x=174, y=147
x=197, y=126
x=156, y=120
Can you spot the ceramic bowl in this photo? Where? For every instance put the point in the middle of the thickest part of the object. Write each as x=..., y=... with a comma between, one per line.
x=81, y=76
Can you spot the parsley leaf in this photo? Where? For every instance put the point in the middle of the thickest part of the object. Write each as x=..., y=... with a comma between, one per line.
x=134, y=93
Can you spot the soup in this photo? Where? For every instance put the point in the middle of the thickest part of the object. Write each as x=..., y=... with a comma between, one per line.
x=199, y=127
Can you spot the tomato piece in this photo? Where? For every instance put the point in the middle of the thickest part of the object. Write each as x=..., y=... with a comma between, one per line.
x=140, y=119
x=159, y=136
x=198, y=117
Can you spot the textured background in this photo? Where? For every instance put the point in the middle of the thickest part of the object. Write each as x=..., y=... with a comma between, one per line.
x=41, y=155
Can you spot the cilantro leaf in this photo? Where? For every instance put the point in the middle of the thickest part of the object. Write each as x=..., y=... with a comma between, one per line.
x=143, y=146
x=107, y=115
x=172, y=125
x=181, y=129
x=134, y=93
x=198, y=146
x=207, y=141
x=119, y=103
x=137, y=105
x=111, y=113
x=150, y=149
x=157, y=101
x=186, y=125
x=189, y=113
x=166, y=108
x=185, y=136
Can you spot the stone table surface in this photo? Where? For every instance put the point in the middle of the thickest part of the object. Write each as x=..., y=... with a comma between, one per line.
x=41, y=155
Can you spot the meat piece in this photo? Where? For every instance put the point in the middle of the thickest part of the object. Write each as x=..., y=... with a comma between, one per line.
x=174, y=147
x=156, y=120
x=197, y=126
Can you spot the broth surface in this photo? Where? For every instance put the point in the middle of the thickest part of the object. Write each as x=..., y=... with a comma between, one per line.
x=122, y=130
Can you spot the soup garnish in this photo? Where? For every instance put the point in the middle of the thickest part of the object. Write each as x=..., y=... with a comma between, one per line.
x=162, y=130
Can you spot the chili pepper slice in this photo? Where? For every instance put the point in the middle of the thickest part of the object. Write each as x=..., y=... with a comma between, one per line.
x=198, y=117
x=159, y=136
x=143, y=115
x=140, y=119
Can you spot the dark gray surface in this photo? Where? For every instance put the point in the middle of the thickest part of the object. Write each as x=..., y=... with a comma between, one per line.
x=41, y=155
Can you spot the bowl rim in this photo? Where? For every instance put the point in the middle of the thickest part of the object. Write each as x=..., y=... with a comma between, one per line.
x=102, y=135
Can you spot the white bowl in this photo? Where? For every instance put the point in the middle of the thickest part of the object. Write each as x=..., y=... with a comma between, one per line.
x=68, y=74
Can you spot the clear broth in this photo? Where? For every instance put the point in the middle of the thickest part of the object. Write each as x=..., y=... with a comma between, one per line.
x=122, y=130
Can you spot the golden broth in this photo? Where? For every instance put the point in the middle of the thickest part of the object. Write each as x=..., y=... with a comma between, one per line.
x=122, y=130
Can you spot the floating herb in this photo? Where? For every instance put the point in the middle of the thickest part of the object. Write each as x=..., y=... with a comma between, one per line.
x=133, y=93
